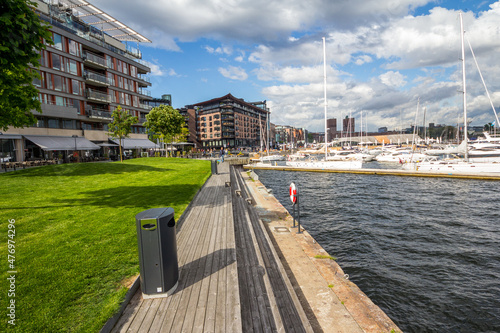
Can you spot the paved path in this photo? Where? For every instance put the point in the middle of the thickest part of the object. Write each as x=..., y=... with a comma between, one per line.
x=230, y=277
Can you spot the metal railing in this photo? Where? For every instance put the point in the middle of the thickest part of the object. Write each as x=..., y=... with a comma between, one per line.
x=99, y=113
x=94, y=58
x=97, y=95
x=94, y=76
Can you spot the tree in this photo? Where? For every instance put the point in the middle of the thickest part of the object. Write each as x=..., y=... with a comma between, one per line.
x=166, y=121
x=21, y=39
x=121, y=126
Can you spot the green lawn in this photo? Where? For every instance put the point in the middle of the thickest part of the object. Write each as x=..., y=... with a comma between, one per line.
x=76, y=241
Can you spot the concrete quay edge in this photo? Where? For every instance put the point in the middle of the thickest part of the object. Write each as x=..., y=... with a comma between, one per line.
x=331, y=302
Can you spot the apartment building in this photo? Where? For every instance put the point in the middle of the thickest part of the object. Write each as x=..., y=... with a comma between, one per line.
x=230, y=122
x=88, y=71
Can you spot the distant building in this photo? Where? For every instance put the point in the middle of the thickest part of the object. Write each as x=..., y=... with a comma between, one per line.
x=164, y=100
x=348, y=125
x=231, y=122
x=331, y=125
x=382, y=129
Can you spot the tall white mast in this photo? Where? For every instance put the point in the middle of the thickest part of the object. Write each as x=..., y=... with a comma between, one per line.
x=464, y=86
x=324, y=96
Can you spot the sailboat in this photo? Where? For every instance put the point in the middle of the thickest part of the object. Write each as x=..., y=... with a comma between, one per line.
x=312, y=162
x=464, y=165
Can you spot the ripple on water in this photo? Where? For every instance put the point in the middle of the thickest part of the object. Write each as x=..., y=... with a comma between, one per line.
x=426, y=250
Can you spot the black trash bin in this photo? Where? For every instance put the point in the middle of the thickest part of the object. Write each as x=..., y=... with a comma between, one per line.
x=214, y=167
x=157, y=252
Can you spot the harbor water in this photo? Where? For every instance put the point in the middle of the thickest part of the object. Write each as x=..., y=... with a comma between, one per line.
x=425, y=250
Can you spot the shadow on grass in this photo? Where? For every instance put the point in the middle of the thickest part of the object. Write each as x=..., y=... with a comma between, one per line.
x=133, y=196
x=83, y=169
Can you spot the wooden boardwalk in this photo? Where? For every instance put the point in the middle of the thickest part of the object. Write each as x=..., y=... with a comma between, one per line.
x=230, y=279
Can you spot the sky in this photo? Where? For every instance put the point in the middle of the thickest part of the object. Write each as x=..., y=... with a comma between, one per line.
x=391, y=63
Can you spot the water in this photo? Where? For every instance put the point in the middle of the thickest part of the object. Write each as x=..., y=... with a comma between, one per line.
x=425, y=250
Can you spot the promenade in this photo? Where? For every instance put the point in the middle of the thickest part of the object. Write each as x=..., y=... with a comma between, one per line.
x=243, y=269
x=229, y=279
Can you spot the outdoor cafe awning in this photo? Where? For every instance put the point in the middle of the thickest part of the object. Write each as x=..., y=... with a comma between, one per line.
x=129, y=143
x=61, y=142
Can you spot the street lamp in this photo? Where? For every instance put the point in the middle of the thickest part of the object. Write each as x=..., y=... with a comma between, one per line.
x=74, y=136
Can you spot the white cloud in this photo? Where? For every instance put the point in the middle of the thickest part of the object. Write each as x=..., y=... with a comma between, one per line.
x=234, y=73
x=392, y=79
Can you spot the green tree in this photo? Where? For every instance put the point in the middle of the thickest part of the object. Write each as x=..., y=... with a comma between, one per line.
x=121, y=126
x=166, y=121
x=21, y=39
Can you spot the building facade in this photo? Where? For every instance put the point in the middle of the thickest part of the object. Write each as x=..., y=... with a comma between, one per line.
x=85, y=75
x=230, y=122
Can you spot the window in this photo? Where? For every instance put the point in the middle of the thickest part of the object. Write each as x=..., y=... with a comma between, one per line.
x=74, y=48
x=44, y=61
x=76, y=87
x=37, y=82
x=77, y=105
x=60, y=101
x=56, y=82
x=56, y=61
x=133, y=71
x=69, y=124
x=58, y=41
x=53, y=123
x=71, y=67
x=111, y=78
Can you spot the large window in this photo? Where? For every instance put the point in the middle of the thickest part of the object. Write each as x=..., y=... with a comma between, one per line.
x=58, y=41
x=53, y=123
x=56, y=61
x=76, y=87
x=71, y=67
x=75, y=48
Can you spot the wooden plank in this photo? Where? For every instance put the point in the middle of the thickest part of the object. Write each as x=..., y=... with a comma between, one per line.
x=233, y=305
x=129, y=314
x=194, y=247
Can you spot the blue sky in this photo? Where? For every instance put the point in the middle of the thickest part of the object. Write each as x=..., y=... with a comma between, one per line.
x=382, y=56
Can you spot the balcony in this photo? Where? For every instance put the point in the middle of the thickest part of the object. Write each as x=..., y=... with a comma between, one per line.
x=97, y=96
x=95, y=113
x=144, y=92
x=96, y=78
x=141, y=120
x=144, y=80
x=94, y=60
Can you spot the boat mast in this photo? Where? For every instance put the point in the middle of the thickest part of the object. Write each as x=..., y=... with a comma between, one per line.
x=324, y=96
x=464, y=92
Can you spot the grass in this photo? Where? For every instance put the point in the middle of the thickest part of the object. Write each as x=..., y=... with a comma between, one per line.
x=76, y=242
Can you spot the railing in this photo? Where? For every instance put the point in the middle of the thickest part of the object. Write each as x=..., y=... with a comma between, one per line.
x=94, y=58
x=144, y=78
x=142, y=120
x=145, y=106
x=144, y=92
x=90, y=33
x=97, y=95
x=99, y=114
x=94, y=76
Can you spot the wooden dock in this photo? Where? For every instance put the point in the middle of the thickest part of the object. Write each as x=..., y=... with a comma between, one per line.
x=230, y=278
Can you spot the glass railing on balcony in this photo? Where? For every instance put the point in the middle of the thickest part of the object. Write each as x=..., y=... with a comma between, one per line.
x=95, y=59
x=96, y=113
x=145, y=106
x=144, y=78
x=142, y=120
x=144, y=92
x=96, y=77
x=98, y=96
